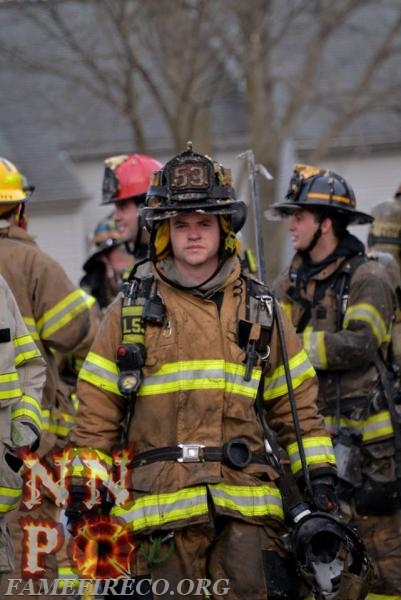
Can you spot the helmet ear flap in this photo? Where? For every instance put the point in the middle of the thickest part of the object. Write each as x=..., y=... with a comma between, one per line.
x=239, y=216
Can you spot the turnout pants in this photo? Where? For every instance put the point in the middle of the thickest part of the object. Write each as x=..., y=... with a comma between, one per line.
x=24, y=586
x=229, y=559
x=382, y=537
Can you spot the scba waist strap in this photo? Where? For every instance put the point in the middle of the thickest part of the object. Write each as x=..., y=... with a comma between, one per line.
x=235, y=454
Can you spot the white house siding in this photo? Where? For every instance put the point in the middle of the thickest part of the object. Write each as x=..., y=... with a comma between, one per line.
x=374, y=179
x=59, y=231
x=64, y=230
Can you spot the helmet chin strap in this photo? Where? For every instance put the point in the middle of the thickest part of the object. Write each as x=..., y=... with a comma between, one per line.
x=315, y=238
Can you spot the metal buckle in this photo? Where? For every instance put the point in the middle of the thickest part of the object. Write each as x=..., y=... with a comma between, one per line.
x=190, y=452
x=267, y=302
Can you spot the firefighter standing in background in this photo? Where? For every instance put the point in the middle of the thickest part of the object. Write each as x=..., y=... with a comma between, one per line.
x=206, y=501
x=107, y=264
x=57, y=315
x=384, y=242
x=23, y=375
x=385, y=231
x=342, y=304
x=125, y=182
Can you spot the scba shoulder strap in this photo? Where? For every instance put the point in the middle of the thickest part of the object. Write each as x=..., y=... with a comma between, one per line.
x=340, y=281
x=140, y=304
x=254, y=332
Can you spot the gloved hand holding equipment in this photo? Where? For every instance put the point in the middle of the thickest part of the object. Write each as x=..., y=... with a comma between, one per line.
x=330, y=556
x=324, y=493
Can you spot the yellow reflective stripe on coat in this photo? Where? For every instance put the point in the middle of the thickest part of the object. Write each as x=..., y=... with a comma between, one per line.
x=10, y=386
x=382, y=597
x=25, y=349
x=9, y=498
x=301, y=370
x=373, y=428
x=59, y=423
x=101, y=372
x=249, y=501
x=101, y=463
x=77, y=364
x=31, y=327
x=287, y=308
x=317, y=450
x=200, y=375
x=64, y=312
x=28, y=408
x=369, y=314
x=314, y=344
x=75, y=402
x=155, y=510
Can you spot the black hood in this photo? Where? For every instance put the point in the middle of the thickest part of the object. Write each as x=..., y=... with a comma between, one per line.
x=348, y=246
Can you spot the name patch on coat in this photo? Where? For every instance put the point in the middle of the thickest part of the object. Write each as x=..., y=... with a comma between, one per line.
x=5, y=335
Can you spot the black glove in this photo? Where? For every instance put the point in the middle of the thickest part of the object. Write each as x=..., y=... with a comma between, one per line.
x=324, y=493
x=77, y=509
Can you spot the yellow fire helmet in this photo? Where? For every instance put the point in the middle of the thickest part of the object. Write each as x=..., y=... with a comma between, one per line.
x=13, y=185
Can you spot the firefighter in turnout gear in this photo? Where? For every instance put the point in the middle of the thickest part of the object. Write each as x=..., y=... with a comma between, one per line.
x=385, y=230
x=125, y=183
x=23, y=375
x=342, y=304
x=107, y=264
x=384, y=243
x=57, y=315
x=204, y=368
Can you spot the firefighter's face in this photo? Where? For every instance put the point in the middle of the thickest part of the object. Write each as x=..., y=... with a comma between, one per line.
x=195, y=241
x=126, y=218
x=302, y=226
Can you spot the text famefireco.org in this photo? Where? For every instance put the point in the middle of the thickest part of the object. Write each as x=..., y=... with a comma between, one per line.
x=95, y=587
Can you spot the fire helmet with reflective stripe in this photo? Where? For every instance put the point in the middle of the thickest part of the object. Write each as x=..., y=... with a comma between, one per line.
x=385, y=231
x=331, y=557
x=192, y=182
x=14, y=187
x=127, y=176
x=105, y=237
x=315, y=188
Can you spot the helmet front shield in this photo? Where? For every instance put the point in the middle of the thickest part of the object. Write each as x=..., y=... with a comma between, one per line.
x=192, y=182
